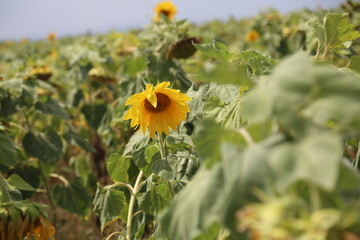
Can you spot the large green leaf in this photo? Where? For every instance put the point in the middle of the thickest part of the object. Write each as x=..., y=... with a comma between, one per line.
x=73, y=197
x=216, y=50
x=7, y=150
x=339, y=30
x=117, y=167
x=134, y=65
x=94, y=114
x=300, y=93
x=155, y=199
x=108, y=205
x=208, y=139
x=52, y=107
x=193, y=210
x=224, y=73
x=47, y=147
x=19, y=183
x=72, y=137
x=198, y=99
x=354, y=63
x=315, y=159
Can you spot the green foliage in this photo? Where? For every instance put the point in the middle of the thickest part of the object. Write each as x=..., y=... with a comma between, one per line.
x=7, y=150
x=117, y=167
x=47, y=147
x=271, y=142
x=108, y=204
x=73, y=197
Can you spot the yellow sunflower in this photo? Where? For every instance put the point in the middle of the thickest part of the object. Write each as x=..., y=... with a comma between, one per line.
x=252, y=36
x=158, y=108
x=51, y=36
x=166, y=8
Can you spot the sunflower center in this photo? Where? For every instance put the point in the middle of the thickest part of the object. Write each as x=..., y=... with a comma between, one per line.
x=163, y=102
x=165, y=12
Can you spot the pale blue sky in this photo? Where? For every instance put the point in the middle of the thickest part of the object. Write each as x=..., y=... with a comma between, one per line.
x=36, y=18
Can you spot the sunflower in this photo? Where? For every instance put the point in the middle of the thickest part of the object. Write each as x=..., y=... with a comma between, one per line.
x=252, y=36
x=166, y=8
x=51, y=36
x=158, y=108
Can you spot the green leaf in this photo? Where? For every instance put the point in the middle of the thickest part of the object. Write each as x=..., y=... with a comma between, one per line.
x=155, y=199
x=136, y=141
x=233, y=118
x=71, y=135
x=224, y=73
x=208, y=139
x=354, y=63
x=8, y=193
x=46, y=147
x=13, y=85
x=19, y=183
x=108, y=205
x=216, y=50
x=134, y=65
x=194, y=208
x=151, y=152
x=94, y=114
x=52, y=107
x=339, y=30
x=315, y=159
x=198, y=99
x=117, y=167
x=73, y=197
x=7, y=151
x=162, y=168
x=258, y=63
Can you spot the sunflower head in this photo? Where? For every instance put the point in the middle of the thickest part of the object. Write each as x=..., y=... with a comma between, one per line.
x=166, y=8
x=252, y=36
x=51, y=36
x=158, y=109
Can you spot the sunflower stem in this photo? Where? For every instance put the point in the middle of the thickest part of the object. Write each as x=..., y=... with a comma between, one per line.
x=130, y=216
x=162, y=147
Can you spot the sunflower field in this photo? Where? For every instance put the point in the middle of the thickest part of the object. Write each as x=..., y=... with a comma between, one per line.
x=242, y=129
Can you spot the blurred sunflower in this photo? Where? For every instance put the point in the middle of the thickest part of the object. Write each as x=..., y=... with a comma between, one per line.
x=51, y=36
x=166, y=8
x=24, y=40
x=252, y=36
x=158, y=108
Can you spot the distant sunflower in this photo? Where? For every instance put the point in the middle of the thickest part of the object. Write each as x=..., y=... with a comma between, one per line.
x=51, y=36
x=158, y=108
x=166, y=8
x=252, y=36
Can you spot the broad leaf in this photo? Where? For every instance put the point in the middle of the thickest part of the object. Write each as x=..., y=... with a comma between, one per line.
x=108, y=205
x=339, y=30
x=46, y=147
x=73, y=197
x=216, y=50
x=7, y=150
x=117, y=167
x=315, y=159
x=19, y=183
x=52, y=107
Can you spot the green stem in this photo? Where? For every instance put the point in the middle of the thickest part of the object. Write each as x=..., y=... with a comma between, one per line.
x=325, y=53
x=130, y=216
x=317, y=50
x=314, y=197
x=51, y=201
x=162, y=147
x=246, y=135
